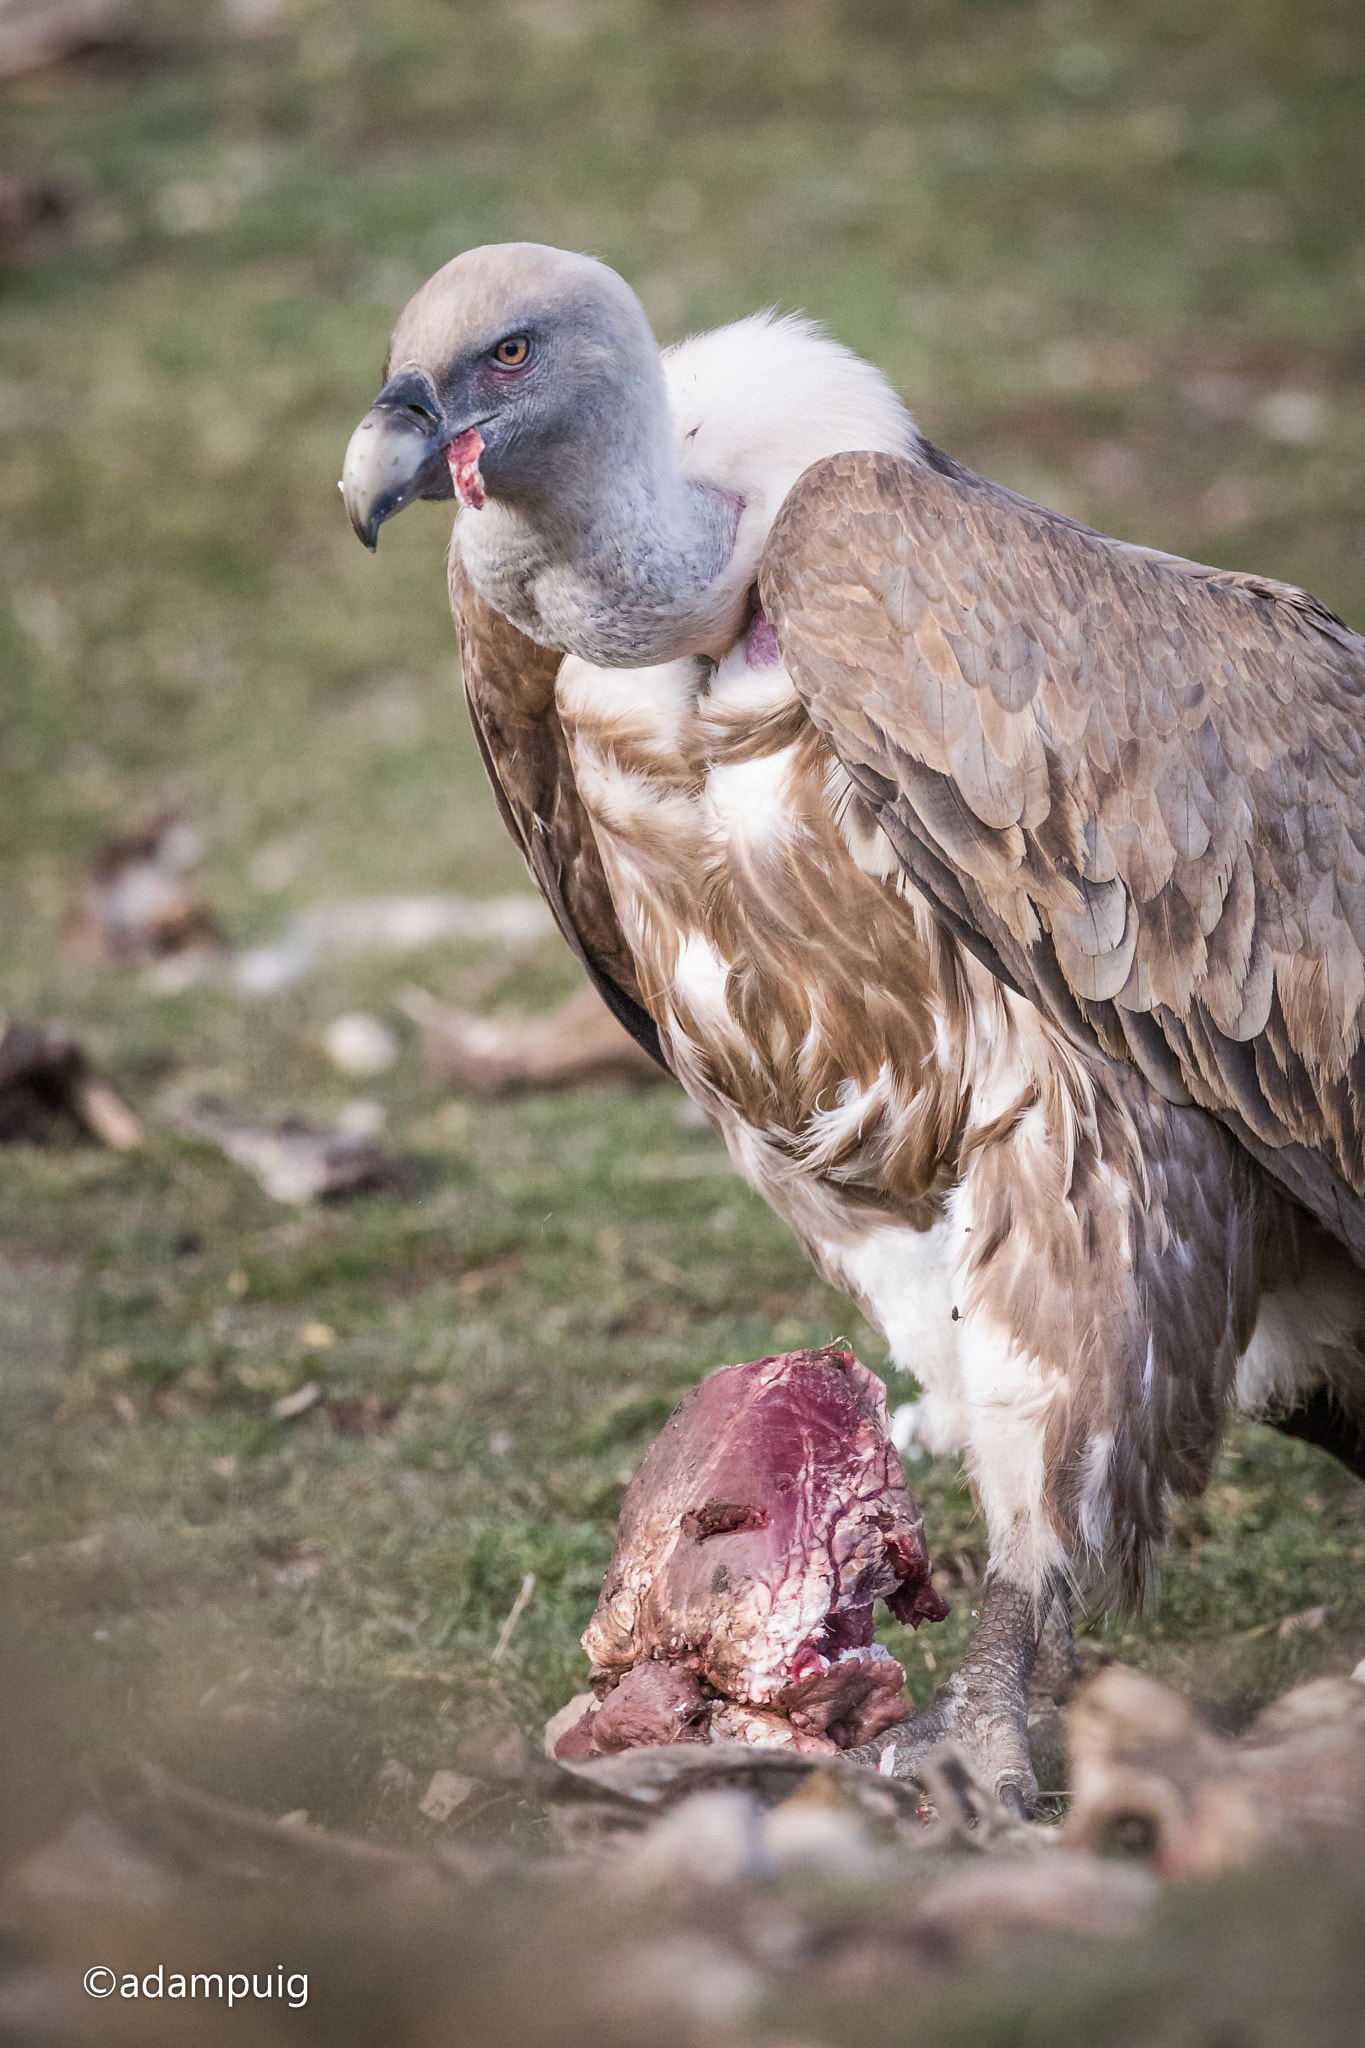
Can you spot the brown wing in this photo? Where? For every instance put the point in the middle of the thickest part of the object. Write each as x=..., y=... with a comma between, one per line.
x=1131, y=784
x=509, y=685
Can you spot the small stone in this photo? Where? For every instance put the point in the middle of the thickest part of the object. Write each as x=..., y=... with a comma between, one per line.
x=1292, y=417
x=361, y=1118
x=1295, y=1624
x=447, y=1790
x=294, y=1577
x=803, y=1834
x=360, y=1044
x=392, y=1776
x=683, y=1974
x=711, y=1838
x=288, y=1406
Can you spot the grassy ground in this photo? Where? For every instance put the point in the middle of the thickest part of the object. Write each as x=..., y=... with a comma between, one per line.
x=1115, y=254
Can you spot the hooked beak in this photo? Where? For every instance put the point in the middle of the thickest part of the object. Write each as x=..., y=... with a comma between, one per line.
x=396, y=455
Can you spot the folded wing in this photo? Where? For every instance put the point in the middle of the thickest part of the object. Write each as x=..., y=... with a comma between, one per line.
x=1134, y=786
x=509, y=684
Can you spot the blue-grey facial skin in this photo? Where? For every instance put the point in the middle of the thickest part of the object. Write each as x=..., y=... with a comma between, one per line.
x=589, y=538
x=548, y=425
x=589, y=394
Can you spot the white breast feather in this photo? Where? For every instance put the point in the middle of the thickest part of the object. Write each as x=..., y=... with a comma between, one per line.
x=652, y=702
x=750, y=797
x=755, y=405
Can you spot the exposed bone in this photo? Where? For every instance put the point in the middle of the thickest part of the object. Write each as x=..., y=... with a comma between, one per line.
x=447, y=1790
x=1148, y=1776
x=577, y=1045
x=293, y=1160
x=389, y=924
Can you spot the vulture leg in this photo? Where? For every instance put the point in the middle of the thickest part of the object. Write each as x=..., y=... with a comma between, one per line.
x=1094, y=1371
x=1057, y=1668
x=983, y=1710
x=1057, y=1671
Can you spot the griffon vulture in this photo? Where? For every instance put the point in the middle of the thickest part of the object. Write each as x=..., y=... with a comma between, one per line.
x=997, y=889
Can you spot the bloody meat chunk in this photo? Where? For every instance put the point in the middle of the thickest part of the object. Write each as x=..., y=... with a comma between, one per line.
x=651, y=1703
x=768, y=1515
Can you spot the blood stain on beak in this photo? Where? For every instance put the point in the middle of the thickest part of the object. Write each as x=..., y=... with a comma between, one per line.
x=463, y=456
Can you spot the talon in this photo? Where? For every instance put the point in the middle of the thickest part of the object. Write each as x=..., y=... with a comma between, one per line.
x=971, y=1746
x=1015, y=1799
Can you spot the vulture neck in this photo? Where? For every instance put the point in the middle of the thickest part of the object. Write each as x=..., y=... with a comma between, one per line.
x=613, y=555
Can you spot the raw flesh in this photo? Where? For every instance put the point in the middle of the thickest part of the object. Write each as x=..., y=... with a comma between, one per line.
x=768, y=1515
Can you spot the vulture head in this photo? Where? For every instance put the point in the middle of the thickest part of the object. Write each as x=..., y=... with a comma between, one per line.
x=526, y=382
x=534, y=351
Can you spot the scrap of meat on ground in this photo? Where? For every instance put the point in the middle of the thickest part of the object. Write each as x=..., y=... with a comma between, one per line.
x=768, y=1516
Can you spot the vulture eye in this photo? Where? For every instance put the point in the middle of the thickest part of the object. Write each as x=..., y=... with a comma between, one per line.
x=512, y=352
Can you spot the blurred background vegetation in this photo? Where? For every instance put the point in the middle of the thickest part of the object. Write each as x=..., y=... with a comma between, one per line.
x=1112, y=253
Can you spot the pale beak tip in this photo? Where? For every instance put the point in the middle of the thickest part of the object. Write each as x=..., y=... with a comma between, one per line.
x=366, y=532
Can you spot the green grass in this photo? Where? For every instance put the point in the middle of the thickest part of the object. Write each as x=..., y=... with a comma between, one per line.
x=1096, y=246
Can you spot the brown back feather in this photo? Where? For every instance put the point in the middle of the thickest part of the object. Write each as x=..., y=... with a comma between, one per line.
x=1132, y=785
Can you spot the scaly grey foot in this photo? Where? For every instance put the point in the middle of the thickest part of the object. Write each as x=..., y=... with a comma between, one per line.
x=1057, y=1671
x=983, y=1709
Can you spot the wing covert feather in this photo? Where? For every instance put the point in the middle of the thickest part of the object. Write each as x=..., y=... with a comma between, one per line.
x=1133, y=785
x=509, y=686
